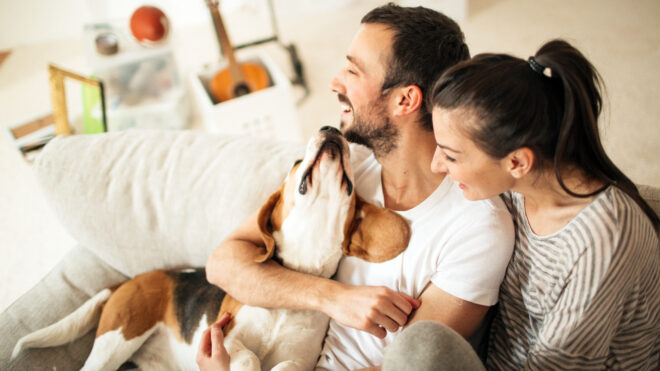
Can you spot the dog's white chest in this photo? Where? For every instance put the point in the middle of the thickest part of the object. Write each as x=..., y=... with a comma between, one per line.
x=277, y=335
x=310, y=242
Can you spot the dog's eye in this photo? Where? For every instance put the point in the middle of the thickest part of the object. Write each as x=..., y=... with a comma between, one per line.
x=302, y=189
x=297, y=162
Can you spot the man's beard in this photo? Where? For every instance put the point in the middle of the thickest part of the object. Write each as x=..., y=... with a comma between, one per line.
x=366, y=129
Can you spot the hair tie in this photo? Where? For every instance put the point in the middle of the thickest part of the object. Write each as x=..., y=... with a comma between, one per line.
x=539, y=68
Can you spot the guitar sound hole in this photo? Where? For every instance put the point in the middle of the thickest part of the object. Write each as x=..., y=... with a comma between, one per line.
x=241, y=89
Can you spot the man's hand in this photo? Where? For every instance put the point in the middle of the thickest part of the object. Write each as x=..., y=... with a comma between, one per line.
x=375, y=310
x=212, y=354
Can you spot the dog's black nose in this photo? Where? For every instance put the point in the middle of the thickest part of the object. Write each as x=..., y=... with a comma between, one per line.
x=330, y=128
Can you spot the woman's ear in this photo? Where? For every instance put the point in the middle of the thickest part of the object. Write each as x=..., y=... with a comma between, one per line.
x=520, y=162
x=409, y=99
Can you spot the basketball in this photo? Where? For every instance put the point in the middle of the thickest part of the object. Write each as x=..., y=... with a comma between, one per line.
x=149, y=24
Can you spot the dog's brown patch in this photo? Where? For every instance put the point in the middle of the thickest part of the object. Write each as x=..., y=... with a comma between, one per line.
x=269, y=217
x=231, y=306
x=375, y=234
x=137, y=305
x=172, y=321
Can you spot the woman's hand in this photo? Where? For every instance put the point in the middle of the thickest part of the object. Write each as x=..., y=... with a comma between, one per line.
x=212, y=355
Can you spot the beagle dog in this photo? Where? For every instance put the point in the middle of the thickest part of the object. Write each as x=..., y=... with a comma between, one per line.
x=156, y=319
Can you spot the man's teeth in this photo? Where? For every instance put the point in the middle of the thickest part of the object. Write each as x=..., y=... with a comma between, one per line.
x=346, y=108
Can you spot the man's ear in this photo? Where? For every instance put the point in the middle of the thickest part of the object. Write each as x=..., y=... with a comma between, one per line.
x=269, y=211
x=376, y=234
x=520, y=162
x=409, y=99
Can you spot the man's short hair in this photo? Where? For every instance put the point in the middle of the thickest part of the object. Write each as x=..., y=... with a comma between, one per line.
x=425, y=44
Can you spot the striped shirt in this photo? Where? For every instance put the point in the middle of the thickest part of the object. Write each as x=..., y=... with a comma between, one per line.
x=586, y=297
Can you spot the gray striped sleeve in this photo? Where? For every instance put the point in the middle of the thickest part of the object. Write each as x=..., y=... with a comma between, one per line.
x=585, y=297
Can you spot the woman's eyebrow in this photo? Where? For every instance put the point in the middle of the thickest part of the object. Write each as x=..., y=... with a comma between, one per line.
x=447, y=148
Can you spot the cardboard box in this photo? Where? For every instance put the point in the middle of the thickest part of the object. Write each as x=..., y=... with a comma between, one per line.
x=270, y=112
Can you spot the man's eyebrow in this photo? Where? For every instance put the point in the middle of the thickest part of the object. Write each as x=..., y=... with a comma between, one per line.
x=448, y=148
x=355, y=62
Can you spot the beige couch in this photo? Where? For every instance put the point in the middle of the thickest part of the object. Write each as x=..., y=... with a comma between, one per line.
x=137, y=201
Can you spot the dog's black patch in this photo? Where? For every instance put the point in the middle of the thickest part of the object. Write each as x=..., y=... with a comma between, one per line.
x=194, y=296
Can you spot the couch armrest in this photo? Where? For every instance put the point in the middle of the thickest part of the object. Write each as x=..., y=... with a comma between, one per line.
x=78, y=276
x=651, y=195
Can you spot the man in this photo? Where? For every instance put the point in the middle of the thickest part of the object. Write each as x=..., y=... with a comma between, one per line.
x=458, y=250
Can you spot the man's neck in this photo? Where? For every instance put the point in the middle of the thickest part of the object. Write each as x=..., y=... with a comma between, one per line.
x=406, y=171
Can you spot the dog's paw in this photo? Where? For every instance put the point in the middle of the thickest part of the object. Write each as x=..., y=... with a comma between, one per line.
x=241, y=357
x=287, y=366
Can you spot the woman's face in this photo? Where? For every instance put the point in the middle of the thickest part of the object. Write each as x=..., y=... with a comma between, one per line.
x=479, y=175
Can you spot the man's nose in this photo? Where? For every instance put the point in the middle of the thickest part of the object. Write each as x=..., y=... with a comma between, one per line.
x=336, y=84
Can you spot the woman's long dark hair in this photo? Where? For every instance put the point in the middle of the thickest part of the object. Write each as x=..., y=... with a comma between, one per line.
x=549, y=104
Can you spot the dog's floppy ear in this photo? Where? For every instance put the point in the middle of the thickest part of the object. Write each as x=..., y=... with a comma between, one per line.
x=266, y=213
x=376, y=234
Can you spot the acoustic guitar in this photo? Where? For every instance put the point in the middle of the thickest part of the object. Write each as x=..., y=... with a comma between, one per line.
x=238, y=78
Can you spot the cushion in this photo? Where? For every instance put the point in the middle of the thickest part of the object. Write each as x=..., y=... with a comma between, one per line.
x=146, y=199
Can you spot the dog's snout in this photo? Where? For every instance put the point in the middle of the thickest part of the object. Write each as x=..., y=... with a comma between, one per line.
x=331, y=129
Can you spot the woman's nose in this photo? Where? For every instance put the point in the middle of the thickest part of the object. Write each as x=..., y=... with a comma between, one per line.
x=438, y=163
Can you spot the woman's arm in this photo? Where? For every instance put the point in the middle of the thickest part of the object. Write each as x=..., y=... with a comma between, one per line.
x=607, y=306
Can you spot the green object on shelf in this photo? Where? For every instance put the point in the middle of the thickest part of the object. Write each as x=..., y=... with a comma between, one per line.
x=92, y=115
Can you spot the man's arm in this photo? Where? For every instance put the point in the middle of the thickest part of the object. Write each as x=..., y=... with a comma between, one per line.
x=437, y=305
x=461, y=315
x=231, y=266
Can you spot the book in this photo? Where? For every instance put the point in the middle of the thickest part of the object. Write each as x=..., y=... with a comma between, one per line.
x=30, y=136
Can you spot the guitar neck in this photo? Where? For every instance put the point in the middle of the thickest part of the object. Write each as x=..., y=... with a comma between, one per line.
x=225, y=44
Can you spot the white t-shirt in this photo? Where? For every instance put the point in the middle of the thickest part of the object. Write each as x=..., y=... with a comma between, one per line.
x=462, y=247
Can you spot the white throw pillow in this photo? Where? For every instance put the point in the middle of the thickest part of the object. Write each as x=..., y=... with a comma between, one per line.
x=143, y=200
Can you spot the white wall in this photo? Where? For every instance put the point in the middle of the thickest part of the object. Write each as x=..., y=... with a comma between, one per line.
x=35, y=21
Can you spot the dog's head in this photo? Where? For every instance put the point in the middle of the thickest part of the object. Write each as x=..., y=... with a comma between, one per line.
x=317, y=206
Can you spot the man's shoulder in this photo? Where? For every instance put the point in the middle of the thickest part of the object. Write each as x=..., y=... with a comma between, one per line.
x=486, y=207
x=451, y=217
x=488, y=217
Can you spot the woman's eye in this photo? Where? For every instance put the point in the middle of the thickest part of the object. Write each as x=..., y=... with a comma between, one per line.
x=450, y=159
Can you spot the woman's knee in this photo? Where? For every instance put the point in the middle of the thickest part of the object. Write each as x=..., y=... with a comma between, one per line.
x=428, y=345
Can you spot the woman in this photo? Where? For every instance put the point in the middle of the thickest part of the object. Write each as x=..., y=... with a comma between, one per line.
x=582, y=290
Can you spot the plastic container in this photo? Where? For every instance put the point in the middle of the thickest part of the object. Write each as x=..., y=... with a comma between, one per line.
x=142, y=85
